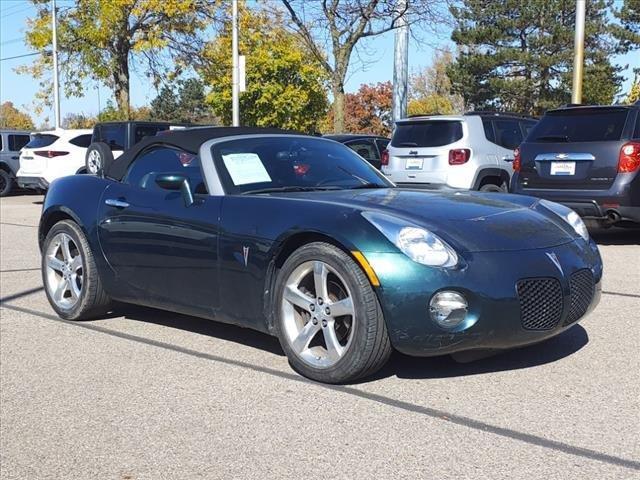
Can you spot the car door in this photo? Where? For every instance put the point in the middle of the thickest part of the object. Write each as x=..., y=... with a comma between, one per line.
x=15, y=143
x=164, y=252
x=366, y=149
x=508, y=137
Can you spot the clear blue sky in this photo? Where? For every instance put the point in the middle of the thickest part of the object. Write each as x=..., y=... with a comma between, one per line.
x=20, y=89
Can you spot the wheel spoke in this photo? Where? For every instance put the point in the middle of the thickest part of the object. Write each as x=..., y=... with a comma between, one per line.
x=54, y=263
x=73, y=287
x=342, y=307
x=334, y=349
x=76, y=263
x=320, y=273
x=66, y=251
x=63, y=286
x=296, y=297
x=301, y=342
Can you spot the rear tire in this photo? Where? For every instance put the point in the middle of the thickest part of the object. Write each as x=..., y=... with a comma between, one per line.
x=70, y=276
x=98, y=157
x=490, y=187
x=6, y=183
x=331, y=347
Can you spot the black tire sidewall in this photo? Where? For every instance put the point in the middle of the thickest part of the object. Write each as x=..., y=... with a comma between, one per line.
x=89, y=274
x=8, y=183
x=353, y=362
x=491, y=188
x=105, y=153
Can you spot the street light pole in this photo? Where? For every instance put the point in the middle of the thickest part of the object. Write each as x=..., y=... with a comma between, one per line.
x=401, y=64
x=56, y=87
x=235, y=84
x=578, y=52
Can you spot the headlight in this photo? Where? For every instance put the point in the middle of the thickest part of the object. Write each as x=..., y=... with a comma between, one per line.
x=417, y=243
x=569, y=216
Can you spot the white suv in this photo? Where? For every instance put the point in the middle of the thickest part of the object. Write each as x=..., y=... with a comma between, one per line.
x=473, y=151
x=50, y=155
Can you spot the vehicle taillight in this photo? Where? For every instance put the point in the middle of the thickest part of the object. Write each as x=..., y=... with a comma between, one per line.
x=459, y=156
x=50, y=153
x=517, y=161
x=629, y=160
x=384, y=159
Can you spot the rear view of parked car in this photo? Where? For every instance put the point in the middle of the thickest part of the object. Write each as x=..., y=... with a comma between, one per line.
x=455, y=152
x=11, y=141
x=588, y=158
x=369, y=147
x=52, y=154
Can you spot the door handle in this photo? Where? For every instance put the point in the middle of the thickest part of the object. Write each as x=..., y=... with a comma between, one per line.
x=15, y=158
x=112, y=202
x=506, y=158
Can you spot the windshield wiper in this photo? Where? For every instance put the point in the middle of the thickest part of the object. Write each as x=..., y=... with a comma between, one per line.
x=290, y=188
x=551, y=138
x=368, y=185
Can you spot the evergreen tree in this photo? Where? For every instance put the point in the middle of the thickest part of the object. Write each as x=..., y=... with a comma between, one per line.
x=518, y=56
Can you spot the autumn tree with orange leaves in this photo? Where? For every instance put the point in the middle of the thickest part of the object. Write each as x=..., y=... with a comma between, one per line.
x=367, y=111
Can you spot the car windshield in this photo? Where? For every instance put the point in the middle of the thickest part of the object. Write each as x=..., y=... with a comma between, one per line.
x=580, y=125
x=426, y=133
x=291, y=163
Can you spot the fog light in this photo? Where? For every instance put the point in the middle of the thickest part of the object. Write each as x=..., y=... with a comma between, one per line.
x=448, y=309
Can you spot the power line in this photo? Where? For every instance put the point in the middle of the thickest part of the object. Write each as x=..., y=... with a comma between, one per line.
x=16, y=5
x=13, y=40
x=25, y=55
x=15, y=12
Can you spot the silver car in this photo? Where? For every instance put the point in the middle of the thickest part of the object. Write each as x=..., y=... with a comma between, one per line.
x=473, y=151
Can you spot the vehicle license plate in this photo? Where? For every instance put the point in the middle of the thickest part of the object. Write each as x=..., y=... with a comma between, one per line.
x=563, y=168
x=414, y=164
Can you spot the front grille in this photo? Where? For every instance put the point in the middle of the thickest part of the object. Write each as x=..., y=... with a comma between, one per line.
x=582, y=291
x=540, y=303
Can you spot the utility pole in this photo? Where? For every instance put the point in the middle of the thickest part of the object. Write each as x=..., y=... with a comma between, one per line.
x=401, y=63
x=235, y=92
x=56, y=87
x=578, y=52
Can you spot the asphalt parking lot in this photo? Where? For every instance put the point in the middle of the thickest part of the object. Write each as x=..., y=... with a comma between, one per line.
x=150, y=395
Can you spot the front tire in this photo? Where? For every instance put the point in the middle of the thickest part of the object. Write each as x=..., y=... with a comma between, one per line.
x=70, y=275
x=328, y=318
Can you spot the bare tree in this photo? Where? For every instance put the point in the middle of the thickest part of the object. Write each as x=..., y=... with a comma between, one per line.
x=341, y=24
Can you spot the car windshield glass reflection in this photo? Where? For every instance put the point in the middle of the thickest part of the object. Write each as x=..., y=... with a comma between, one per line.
x=288, y=163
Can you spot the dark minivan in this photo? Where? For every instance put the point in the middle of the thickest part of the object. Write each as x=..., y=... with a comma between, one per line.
x=587, y=158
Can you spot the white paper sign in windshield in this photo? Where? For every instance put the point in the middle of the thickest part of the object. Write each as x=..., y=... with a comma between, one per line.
x=245, y=168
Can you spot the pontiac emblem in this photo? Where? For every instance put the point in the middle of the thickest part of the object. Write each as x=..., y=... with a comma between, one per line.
x=554, y=258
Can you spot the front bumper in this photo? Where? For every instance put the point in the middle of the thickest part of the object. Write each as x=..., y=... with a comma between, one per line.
x=619, y=203
x=33, y=183
x=488, y=280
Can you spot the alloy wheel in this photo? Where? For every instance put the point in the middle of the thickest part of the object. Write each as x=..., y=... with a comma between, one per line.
x=318, y=314
x=94, y=162
x=64, y=271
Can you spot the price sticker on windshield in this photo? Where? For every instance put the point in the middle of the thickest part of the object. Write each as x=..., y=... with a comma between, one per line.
x=245, y=168
x=563, y=168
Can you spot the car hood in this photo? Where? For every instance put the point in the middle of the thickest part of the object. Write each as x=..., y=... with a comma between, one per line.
x=470, y=221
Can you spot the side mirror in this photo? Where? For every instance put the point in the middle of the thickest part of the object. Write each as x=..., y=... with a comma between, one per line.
x=176, y=182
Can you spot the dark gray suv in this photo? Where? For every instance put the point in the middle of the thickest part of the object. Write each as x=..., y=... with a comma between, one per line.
x=587, y=158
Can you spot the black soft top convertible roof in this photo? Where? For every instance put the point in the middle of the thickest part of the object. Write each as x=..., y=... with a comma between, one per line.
x=189, y=139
